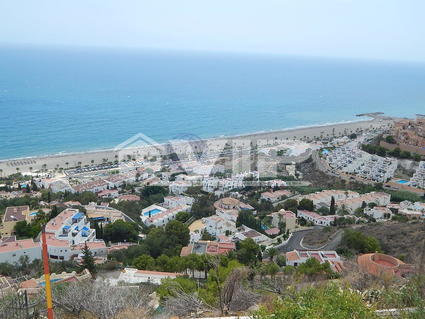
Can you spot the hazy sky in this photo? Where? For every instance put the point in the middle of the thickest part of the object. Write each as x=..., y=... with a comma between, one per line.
x=382, y=29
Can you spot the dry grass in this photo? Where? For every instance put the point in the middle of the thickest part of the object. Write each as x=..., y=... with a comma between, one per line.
x=319, y=237
x=401, y=240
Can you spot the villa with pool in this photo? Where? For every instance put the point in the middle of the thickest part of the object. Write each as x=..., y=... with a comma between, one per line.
x=159, y=216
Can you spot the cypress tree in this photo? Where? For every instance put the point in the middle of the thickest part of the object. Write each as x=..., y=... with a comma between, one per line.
x=332, y=207
x=88, y=261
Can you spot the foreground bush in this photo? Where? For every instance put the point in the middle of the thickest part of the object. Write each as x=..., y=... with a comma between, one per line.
x=327, y=302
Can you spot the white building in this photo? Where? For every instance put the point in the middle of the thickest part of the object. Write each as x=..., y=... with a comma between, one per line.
x=316, y=219
x=324, y=198
x=12, y=251
x=418, y=178
x=108, y=193
x=160, y=216
x=379, y=212
x=135, y=276
x=67, y=233
x=218, y=226
x=94, y=186
x=246, y=232
x=275, y=196
x=179, y=187
x=175, y=201
x=296, y=258
x=118, y=180
x=377, y=198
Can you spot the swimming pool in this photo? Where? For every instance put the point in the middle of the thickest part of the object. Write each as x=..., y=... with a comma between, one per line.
x=43, y=283
x=33, y=213
x=402, y=181
x=152, y=212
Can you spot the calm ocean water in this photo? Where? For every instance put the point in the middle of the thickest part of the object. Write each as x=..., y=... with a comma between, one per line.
x=64, y=100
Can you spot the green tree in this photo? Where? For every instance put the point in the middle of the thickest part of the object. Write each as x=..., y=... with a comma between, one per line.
x=144, y=262
x=281, y=260
x=359, y=242
x=247, y=251
x=120, y=231
x=272, y=252
x=169, y=286
x=332, y=208
x=272, y=269
x=291, y=204
x=88, y=261
x=182, y=216
x=177, y=233
x=390, y=139
x=306, y=204
x=207, y=236
x=313, y=267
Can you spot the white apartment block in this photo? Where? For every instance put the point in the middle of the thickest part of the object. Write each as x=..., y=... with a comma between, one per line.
x=379, y=212
x=317, y=219
x=218, y=226
x=223, y=185
x=160, y=216
x=175, y=201
x=324, y=198
x=378, y=198
x=67, y=234
x=351, y=160
x=179, y=187
x=418, y=178
x=12, y=251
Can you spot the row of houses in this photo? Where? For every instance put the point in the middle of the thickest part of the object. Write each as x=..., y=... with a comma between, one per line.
x=348, y=199
x=350, y=159
x=96, y=186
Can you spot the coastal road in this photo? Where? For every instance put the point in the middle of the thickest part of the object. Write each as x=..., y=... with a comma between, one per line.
x=296, y=241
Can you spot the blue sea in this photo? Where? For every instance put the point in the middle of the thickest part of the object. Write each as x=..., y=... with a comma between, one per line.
x=56, y=100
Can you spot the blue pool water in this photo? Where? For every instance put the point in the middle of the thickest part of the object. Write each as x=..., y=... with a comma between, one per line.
x=51, y=280
x=34, y=214
x=152, y=212
x=402, y=181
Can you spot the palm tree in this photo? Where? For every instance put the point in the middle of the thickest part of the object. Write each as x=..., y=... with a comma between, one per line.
x=272, y=252
x=92, y=161
x=66, y=163
x=1, y=172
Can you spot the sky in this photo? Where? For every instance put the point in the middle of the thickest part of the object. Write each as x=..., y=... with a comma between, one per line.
x=369, y=29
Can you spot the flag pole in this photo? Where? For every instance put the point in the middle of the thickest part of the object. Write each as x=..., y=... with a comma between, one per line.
x=48, y=285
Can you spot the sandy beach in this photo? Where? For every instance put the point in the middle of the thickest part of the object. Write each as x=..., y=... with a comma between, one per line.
x=65, y=161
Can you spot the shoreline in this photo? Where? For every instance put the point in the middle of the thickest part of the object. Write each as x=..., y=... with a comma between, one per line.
x=295, y=128
x=68, y=160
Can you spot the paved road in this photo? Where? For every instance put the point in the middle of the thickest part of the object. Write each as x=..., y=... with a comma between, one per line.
x=297, y=237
